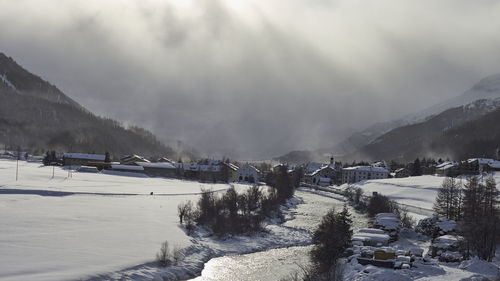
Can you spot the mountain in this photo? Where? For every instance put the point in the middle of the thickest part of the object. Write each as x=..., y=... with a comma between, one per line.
x=36, y=116
x=487, y=88
x=437, y=136
x=376, y=141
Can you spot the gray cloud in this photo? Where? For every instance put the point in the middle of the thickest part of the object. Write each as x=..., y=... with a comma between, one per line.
x=252, y=79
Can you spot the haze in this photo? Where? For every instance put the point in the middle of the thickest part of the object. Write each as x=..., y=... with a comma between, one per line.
x=254, y=79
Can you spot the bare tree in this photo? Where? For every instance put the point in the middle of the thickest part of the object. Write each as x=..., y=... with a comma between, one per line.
x=183, y=209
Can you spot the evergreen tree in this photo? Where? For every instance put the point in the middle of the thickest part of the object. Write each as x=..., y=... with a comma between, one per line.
x=417, y=168
x=331, y=239
x=283, y=184
x=481, y=217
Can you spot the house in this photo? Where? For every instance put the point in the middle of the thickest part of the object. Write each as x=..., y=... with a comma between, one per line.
x=448, y=169
x=166, y=170
x=191, y=170
x=209, y=170
x=360, y=173
x=127, y=168
x=321, y=177
x=131, y=159
x=494, y=166
x=229, y=170
x=484, y=165
x=248, y=173
x=81, y=159
x=402, y=173
x=316, y=173
x=312, y=167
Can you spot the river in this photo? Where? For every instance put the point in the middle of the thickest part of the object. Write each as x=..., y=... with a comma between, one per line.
x=278, y=264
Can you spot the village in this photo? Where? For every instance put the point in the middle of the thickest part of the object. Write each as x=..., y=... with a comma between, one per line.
x=225, y=171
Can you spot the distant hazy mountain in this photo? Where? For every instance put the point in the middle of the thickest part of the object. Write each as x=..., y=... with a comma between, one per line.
x=388, y=140
x=36, y=116
x=438, y=136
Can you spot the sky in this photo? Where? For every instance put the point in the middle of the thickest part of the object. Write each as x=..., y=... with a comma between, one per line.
x=254, y=79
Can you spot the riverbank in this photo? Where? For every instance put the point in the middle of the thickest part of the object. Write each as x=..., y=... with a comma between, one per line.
x=205, y=246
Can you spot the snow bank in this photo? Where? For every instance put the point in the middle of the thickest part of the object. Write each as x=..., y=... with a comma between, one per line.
x=480, y=266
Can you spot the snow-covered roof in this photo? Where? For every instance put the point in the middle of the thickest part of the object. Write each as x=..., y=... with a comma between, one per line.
x=127, y=167
x=379, y=164
x=388, y=221
x=191, y=167
x=321, y=169
x=210, y=168
x=87, y=169
x=371, y=237
x=232, y=166
x=250, y=167
x=133, y=157
x=371, y=230
x=401, y=170
x=97, y=157
x=367, y=169
x=446, y=165
x=495, y=164
x=156, y=165
x=312, y=167
x=165, y=160
x=445, y=241
x=481, y=161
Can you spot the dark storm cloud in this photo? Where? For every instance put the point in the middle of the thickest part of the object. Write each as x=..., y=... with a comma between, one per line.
x=252, y=79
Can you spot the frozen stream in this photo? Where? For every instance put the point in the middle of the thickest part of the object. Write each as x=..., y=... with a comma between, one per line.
x=277, y=264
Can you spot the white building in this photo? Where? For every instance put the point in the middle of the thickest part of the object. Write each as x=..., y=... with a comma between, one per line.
x=247, y=173
x=360, y=173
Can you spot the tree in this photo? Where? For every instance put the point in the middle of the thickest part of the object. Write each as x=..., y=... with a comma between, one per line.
x=449, y=200
x=283, y=184
x=107, y=157
x=331, y=239
x=380, y=204
x=206, y=207
x=184, y=209
x=417, y=168
x=480, y=218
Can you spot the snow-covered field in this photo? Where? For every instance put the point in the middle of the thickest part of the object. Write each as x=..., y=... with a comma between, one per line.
x=102, y=226
x=71, y=228
x=419, y=193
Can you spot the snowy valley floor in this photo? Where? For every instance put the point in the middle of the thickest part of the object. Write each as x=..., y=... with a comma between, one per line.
x=73, y=228
x=101, y=227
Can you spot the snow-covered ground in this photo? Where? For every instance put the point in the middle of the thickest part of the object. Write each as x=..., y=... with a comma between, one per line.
x=102, y=226
x=418, y=193
x=72, y=228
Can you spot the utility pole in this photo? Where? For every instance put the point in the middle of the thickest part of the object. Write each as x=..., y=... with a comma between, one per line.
x=53, y=170
x=17, y=167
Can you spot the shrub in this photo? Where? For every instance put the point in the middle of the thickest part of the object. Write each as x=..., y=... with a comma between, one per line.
x=380, y=204
x=164, y=257
x=406, y=220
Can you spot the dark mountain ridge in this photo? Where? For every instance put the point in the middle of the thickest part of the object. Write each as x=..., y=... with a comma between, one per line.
x=36, y=116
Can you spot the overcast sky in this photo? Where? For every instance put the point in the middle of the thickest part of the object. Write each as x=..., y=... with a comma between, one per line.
x=256, y=78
